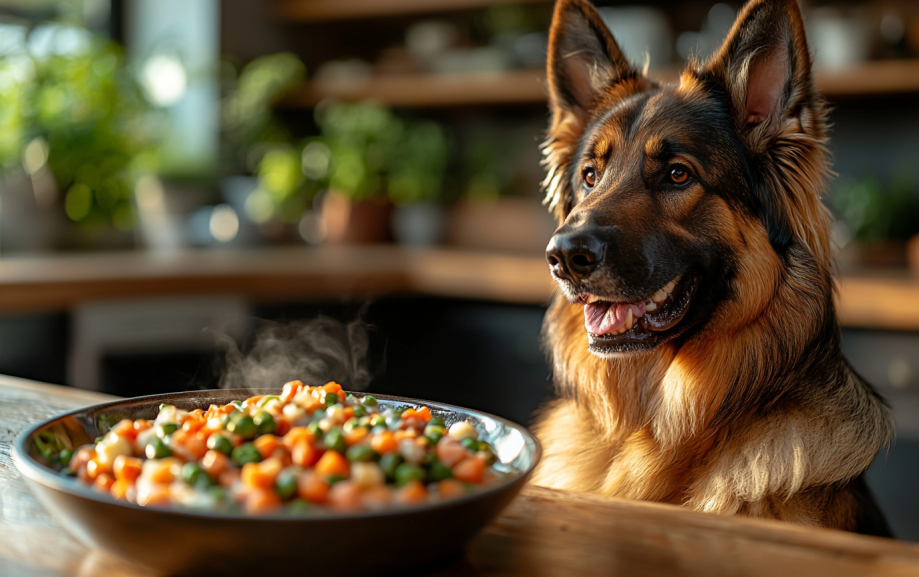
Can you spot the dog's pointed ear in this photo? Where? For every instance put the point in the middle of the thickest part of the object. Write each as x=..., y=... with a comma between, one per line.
x=585, y=69
x=583, y=58
x=764, y=66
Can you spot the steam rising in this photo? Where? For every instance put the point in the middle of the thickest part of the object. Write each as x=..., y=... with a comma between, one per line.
x=315, y=351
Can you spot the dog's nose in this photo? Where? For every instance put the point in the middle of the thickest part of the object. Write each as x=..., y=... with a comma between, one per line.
x=574, y=254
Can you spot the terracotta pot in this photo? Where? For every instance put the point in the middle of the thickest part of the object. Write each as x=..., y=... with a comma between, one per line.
x=355, y=222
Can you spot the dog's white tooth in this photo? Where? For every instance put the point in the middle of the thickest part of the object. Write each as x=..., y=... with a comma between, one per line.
x=659, y=296
x=592, y=299
x=670, y=286
x=629, y=321
x=650, y=306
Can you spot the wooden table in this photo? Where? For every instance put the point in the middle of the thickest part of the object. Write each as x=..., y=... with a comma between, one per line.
x=542, y=533
x=60, y=282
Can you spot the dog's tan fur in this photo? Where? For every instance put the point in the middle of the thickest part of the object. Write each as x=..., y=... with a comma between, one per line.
x=733, y=419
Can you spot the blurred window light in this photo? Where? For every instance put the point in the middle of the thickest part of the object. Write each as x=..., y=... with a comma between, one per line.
x=224, y=224
x=35, y=156
x=164, y=80
x=15, y=69
x=12, y=38
x=175, y=47
x=59, y=40
x=315, y=160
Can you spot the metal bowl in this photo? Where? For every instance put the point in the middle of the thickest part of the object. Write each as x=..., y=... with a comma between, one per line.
x=180, y=542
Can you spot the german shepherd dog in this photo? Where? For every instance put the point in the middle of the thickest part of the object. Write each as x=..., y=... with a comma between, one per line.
x=693, y=339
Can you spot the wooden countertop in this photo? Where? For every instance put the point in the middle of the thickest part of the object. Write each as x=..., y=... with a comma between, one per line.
x=543, y=532
x=57, y=283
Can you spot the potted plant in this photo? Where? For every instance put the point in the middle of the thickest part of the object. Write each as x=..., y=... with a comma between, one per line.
x=362, y=140
x=73, y=128
x=415, y=184
x=260, y=168
x=876, y=219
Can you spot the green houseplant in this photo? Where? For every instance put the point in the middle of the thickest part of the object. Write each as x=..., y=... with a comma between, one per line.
x=72, y=109
x=374, y=159
x=877, y=217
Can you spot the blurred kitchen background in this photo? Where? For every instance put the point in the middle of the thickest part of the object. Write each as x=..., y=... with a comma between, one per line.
x=179, y=177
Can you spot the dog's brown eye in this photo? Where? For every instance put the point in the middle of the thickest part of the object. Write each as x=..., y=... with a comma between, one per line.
x=679, y=174
x=590, y=177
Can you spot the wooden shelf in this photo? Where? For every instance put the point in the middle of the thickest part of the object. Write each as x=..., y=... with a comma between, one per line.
x=871, y=78
x=529, y=86
x=422, y=91
x=57, y=283
x=326, y=10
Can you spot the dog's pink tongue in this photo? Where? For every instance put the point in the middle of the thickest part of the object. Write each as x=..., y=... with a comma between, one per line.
x=601, y=317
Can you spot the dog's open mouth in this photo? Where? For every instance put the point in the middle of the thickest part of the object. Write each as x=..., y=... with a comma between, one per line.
x=619, y=327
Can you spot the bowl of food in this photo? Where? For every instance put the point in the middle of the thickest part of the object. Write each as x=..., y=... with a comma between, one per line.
x=222, y=481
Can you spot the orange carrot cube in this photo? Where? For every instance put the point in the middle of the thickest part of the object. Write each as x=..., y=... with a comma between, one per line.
x=412, y=493
x=332, y=463
x=127, y=468
x=470, y=469
x=266, y=444
x=311, y=487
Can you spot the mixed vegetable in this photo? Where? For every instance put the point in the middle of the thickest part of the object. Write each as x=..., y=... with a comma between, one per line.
x=308, y=448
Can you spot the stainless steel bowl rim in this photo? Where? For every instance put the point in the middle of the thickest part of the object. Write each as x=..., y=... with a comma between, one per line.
x=41, y=474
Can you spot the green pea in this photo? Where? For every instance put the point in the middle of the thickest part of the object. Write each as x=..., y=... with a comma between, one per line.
x=286, y=484
x=267, y=399
x=98, y=439
x=297, y=507
x=435, y=432
x=406, y=473
x=362, y=453
x=314, y=428
x=166, y=429
x=349, y=425
x=163, y=406
x=228, y=418
x=438, y=472
x=377, y=420
x=220, y=444
x=264, y=422
x=244, y=426
x=246, y=453
x=360, y=411
x=368, y=401
x=335, y=440
x=332, y=479
x=64, y=456
x=471, y=444
x=217, y=493
x=236, y=404
x=157, y=449
x=331, y=399
x=192, y=474
x=436, y=422
x=389, y=462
